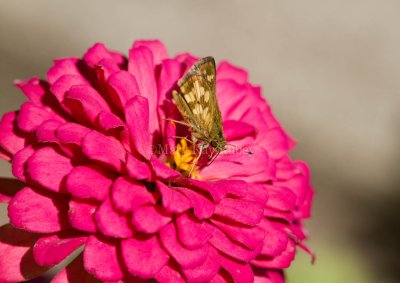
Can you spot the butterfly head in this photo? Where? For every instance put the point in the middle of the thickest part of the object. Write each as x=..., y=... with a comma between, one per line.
x=218, y=144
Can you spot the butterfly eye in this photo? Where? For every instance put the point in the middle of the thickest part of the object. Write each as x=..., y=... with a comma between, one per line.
x=213, y=144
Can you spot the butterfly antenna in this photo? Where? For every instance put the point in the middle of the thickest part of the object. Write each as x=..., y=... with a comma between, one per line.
x=213, y=158
x=244, y=150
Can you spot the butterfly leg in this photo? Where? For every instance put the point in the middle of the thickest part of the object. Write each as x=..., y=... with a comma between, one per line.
x=177, y=137
x=213, y=159
x=176, y=121
x=202, y=146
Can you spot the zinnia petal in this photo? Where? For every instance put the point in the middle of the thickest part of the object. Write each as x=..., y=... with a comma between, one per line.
x=51, y=250
x=137, y=118
x=185, y=257
x=141, y=65
x=143, y=255
x=38, y=211
x=96, y=250
x=81, y=215
x=11, y=138
x=90, y=181
x=111, y=222
x=127, y=194
x=16, y=256
x=48, y=167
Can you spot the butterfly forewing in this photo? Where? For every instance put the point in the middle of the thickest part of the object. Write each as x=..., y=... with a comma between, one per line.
x=197, y=101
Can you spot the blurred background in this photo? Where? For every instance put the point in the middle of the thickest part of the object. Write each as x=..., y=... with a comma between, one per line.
x=330, y=70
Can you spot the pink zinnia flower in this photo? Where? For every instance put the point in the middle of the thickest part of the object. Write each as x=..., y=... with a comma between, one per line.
x=96, y=168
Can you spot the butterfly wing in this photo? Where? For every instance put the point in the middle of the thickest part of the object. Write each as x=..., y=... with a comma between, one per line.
x=207, y=68
x=197, y=101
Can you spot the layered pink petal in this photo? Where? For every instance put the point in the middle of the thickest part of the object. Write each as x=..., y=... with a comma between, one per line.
x=61, y=86
x=240, y=272
x=89, y=182
x=81, y=215
x=192, y=233
x=161, y=170
x=241, y=165
x=206, y=271
x=150, y=218
x=171, y=71
x=96, y=250
x=157, y=49
x=127, y=194
x=202, y=207
x=46, y=132
x=277, y=143
x=106, y=150
x=51, y=250
x=16, y=256
x=137, y=119
x=281, y=261
x=110, y=123
x=141, y=66
x=172, y=200
x=143, y=255
x=221, y=242
x=96, y=53
x=65, y=66
x=11, y=138
x=257, y=193
x=72, y=133
x=245, y=96
x=219, y=189
x=275, y=241
x=251, y=237
x=241, y=211
x=226, y=70
x=111, y=222
x=91, y=102
x=19, y=162
x=124, y=87
x=137, y=169
x=34, y=89
x=31, y=116
x=281, y=198
x=232, y=93
x=268, y=276
x=237, y=130
x=48, y=168
x=185, y=257
x=38, y=211
x=170, y=274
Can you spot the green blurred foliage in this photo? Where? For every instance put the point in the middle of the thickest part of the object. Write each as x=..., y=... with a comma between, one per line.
x=333, y=265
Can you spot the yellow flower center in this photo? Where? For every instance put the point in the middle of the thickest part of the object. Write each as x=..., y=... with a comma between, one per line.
x=183, y=158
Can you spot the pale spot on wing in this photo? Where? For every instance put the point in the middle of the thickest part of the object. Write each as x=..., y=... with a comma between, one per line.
x=206, y=96
x=197, y=89
x=198, y=110
x=188, y=98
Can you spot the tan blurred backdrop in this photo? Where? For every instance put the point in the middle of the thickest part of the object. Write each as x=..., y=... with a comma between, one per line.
x=330, y=70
